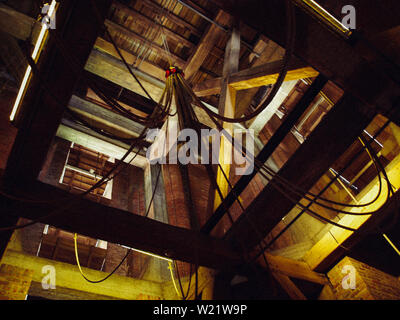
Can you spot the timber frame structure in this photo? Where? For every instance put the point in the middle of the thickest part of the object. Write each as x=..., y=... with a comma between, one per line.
x=359, y=75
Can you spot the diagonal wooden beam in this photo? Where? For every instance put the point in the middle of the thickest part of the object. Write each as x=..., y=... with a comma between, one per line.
x=18, y=24
x=267, y=151
x=145, y=66
x=40, y=114
x=314, y=157
x=291, y=289
x=119, y=93
x=336, y=243
x=293, y=268
x=206, y=44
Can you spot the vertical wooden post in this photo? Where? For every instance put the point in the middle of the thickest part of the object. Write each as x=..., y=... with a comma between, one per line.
x=227, y=108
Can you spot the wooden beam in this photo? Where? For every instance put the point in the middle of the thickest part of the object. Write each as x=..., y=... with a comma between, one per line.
x=293, y=268
x=327, y=251
x=226, y=108
x=87, y=138
x=145, y=21
x=268, y=74
x=350, y=64
x=121, y=94
x=291, y=289
x=114, y=70
x=206, y=44
x=121, y=227
x=109, y=119
x=314, y=156
x=208, y=87
x=263, y=75
x=40, y=114
x=178, y=61
x=18, y=24
x=147, y=67
x=172, y=17
x=69, y=280
x=267, y=151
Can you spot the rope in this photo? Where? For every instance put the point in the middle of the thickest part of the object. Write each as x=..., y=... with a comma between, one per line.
x=81, y=271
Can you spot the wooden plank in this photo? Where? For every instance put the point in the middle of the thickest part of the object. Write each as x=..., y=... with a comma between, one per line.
x=40, y=114
x=254, y=77
x=172, y=17
x=178, y=61
x=120, y=94
x=122, y=227
x=68, y=277
x=114, y=70
x=106, y=117
x=291, y=289
x=268, y=74
x=147, y=67
x=145, y=21
x=206, y=44
x=18, y=24
x=293, y=268
x=324, y=145
x=208, y=87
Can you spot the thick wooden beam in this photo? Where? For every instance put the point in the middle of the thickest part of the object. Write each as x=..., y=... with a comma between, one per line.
x=226, y=108
x=117, y=226
x=291, y=289
x=267, y=151
x=111, y=120
x=145, y=66
x=178, y=61
x=206, y=44
x=208, y=87
x=336, y=132
x=87, y=138
x=350, y=64
x=330, y=248
x=114, y=70
x=262, y=75
x=267, y=74
x=18, y=24
x=293, y=268
x=40, y=114
x=70, y=283
x=121, y=94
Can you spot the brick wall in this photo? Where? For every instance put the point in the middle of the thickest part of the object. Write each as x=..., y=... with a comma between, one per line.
x=128, y=190
x=14, y=282
x=370, y=283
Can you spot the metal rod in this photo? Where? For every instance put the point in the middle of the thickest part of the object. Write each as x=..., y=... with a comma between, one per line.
x=247, y=45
